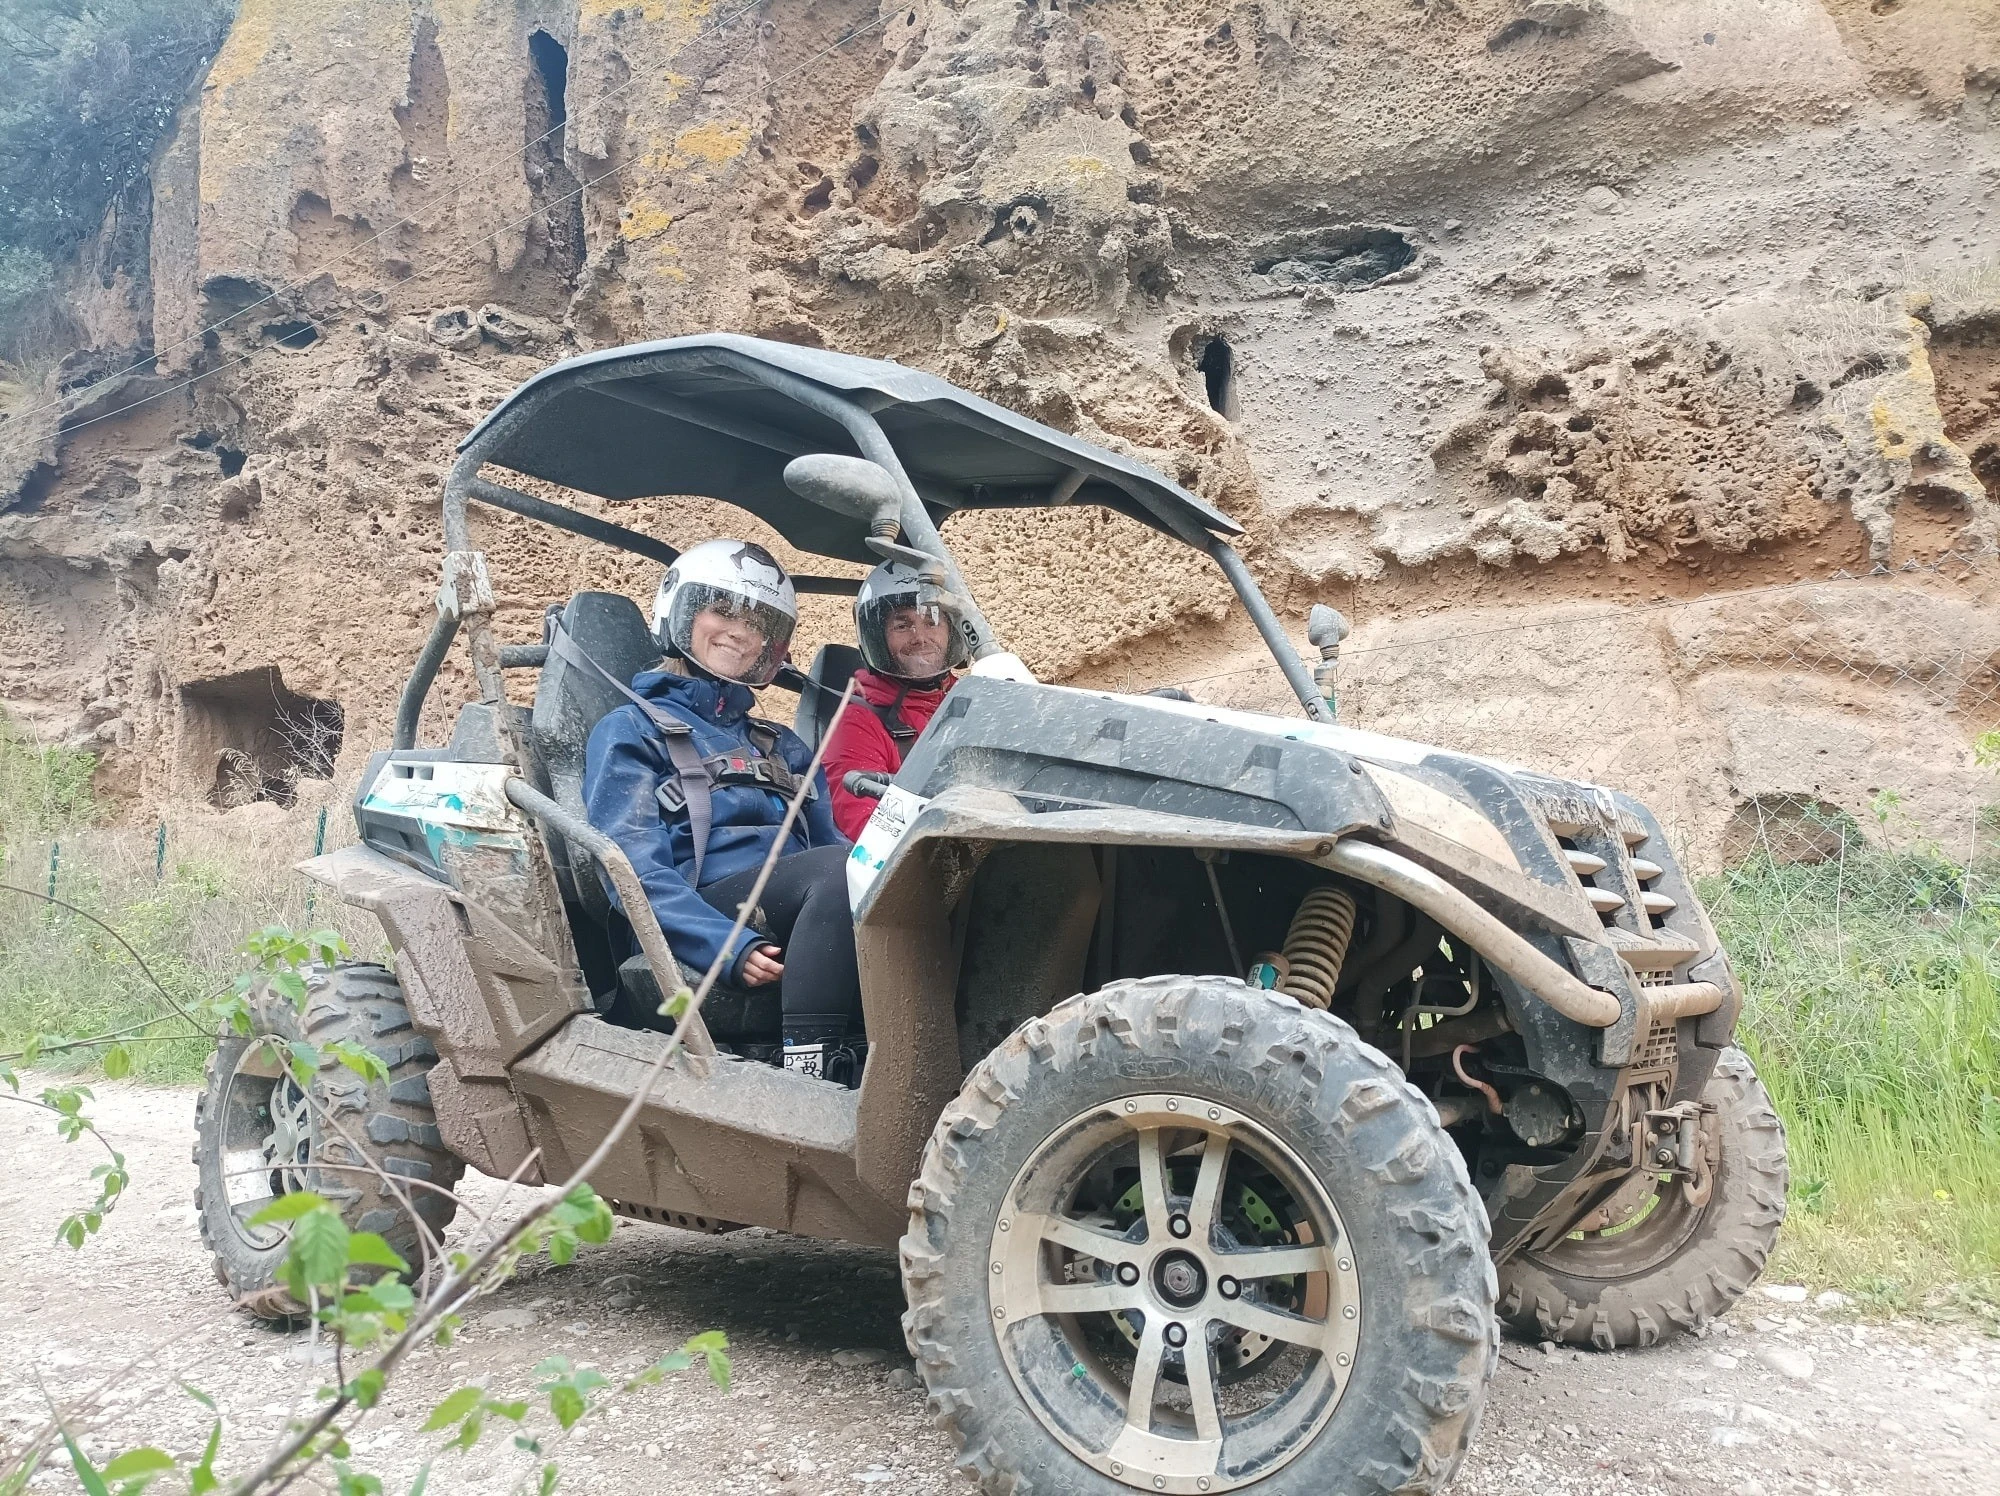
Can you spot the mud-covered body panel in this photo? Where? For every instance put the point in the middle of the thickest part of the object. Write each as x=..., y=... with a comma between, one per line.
x=1004, y=761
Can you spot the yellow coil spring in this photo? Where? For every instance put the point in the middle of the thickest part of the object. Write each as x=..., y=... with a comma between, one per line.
x=1316, y=944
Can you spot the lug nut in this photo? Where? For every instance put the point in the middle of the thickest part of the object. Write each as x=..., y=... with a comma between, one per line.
x=1179, y=1226
x=1176, y=1335
x=1663, y=1155
x=1128, y=1273
x=1229, y=1288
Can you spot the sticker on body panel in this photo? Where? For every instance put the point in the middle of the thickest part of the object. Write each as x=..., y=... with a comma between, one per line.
x=878, y=841
x=472, y=797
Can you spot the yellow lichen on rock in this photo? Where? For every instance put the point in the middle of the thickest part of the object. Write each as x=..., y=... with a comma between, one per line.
x=1908, y=427
x=244, y=48
x=646, y=10
x=724, y=140
x=643, y=221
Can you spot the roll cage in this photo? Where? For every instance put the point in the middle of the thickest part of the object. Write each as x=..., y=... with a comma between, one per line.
x=719, y=415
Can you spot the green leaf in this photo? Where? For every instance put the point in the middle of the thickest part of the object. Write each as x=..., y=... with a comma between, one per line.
x=198, y=1395
x=423, y=1479
x=201, y=1479
x=562, y=1248
x=139, y=1464
x=117, y=1062
x=367, y=1249
x=452, y=1409
x=366, y=1389
x=71, y=1232
x=363, y=1062
x=707, y=1341
x=549, y=1478
x=302, y=1059
x=470, y=1430
x=13, y=1080
x=288, y=1208
x=319, y=1247
x=291, y=986
x=86, y=1473
x=566, y=1403
x=513, y=1412
x=356, y=1483
x=676, y=1007
x=718, y=1369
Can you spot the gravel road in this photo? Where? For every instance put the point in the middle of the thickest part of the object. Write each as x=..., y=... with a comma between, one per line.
x=1780, y=1396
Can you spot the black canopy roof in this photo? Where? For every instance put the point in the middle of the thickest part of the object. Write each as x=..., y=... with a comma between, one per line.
x=700, y=415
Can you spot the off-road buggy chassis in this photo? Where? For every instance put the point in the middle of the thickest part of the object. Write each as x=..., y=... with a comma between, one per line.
x=1179, y=1233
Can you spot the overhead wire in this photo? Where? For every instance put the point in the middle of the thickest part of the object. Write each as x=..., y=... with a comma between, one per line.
x=456, y=188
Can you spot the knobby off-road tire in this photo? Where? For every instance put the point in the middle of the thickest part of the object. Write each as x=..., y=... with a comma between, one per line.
x=1407, y=1249
x=1678, y=1265
x=255, y=1136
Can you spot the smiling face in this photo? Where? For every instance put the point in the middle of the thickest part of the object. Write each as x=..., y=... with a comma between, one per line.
x=918, y=640
x=727, y=644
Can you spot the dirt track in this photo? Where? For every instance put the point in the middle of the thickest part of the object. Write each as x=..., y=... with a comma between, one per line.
x=824, y=1401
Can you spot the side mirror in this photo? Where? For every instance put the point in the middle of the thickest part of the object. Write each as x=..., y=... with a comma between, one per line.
x=853, y=486
x=1325, y=628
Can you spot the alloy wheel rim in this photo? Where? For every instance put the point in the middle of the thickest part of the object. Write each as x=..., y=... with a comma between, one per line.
x=1071, y=1296
x=266, y=1147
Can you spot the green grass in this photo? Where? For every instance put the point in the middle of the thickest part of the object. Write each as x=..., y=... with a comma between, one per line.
x=1873, y=1015
x=186, y=915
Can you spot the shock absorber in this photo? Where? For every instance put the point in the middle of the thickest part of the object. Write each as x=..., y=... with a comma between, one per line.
x=1316, y=944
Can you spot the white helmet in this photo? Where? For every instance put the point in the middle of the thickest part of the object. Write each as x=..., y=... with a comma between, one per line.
x=893, y=586
x=744, y=582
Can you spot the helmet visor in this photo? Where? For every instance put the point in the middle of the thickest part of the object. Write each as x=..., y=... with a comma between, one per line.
x=910, y=634
x=732, y=637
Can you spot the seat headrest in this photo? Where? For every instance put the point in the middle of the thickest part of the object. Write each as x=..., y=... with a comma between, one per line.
x=832, y=668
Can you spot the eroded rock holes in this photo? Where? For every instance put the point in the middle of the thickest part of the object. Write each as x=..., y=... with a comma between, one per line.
x=1217, y=365
x=1352, y=260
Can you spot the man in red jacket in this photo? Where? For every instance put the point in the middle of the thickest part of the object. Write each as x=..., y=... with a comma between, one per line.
x=911, y=648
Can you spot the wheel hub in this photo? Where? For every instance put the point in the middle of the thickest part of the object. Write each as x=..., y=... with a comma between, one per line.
x=1180, y=1279
x=1141, y=1297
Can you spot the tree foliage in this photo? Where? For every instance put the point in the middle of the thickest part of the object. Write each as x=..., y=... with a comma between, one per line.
x=91, y=88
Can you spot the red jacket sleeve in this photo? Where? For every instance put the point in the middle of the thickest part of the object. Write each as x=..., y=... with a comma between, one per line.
x=859, y=742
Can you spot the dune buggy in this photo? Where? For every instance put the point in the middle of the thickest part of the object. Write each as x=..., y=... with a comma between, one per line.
x=1230, y=1078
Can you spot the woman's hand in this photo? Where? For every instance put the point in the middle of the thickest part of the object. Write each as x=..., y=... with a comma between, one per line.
x=764, y=964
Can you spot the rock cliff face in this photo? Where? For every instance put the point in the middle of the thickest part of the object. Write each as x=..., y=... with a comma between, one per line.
x=1469, y=310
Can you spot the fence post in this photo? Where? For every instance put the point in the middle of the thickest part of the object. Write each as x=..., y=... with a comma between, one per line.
x=160, y=852
x=319, y=846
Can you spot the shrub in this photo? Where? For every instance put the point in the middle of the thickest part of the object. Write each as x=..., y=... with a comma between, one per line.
x=92, y=87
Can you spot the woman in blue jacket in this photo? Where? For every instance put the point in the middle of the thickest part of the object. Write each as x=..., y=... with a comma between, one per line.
x=693, y=788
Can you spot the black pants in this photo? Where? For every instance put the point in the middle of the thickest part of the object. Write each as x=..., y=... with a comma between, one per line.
x=805, y=912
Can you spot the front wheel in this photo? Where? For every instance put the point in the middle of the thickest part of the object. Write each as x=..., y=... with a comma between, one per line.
x=1182, y=1235
x=259, y=1134
x=1659, y=1259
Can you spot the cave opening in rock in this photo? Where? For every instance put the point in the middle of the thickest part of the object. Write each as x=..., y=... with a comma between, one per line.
x=247, y=736
x=230, y=460
x=295, y=333
x=1217, y=364
x=554, y=187
x=551, y=59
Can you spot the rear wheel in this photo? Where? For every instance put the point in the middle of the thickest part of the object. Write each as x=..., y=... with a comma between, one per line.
x=1185, y=1236
x=258, y=1134
x=1661, y=1256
